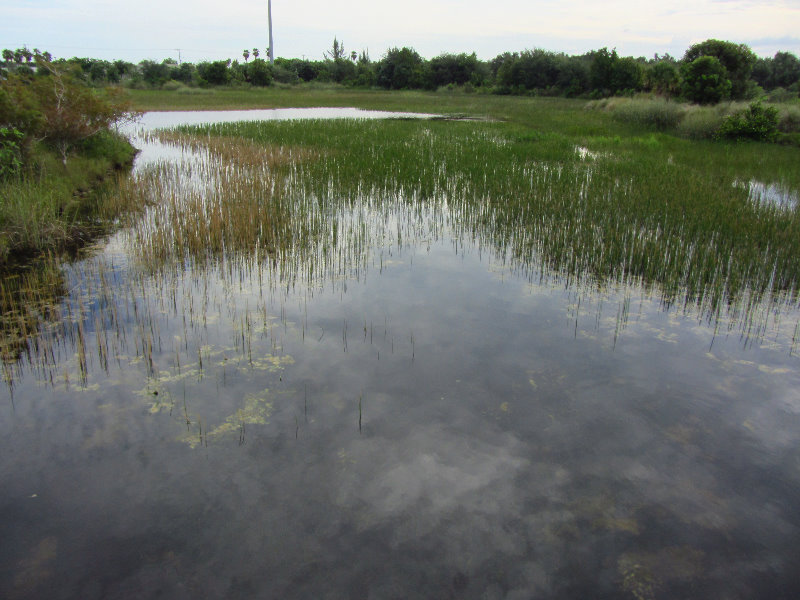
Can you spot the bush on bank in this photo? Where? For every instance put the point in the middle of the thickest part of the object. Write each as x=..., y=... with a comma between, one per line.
x=56, y=146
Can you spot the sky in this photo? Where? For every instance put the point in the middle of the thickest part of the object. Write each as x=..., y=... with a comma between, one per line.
x=196, y=30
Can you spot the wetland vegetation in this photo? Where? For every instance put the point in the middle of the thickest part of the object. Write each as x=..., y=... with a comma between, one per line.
x=547, y=351
x=57, y=147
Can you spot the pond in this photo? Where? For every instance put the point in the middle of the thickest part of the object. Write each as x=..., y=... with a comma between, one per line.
x=402, y=411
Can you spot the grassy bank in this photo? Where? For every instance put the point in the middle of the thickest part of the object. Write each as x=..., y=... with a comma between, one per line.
x=52, y=207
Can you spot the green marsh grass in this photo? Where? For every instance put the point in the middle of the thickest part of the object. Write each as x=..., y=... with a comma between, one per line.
x=645, y=208
x=50, y=207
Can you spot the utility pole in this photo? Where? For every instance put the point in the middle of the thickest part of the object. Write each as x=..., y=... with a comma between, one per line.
x=269, y=14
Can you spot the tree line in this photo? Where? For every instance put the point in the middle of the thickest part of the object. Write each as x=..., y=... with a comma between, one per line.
x=709, y=72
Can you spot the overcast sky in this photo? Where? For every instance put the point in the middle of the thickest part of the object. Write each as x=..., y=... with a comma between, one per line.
x=219, y=29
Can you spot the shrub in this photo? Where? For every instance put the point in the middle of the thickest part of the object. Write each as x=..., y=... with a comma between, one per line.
x=214, y=73
x=58, y=108
x=757, y=122
x=10, y=151
x=260, y=72
x=283, y=74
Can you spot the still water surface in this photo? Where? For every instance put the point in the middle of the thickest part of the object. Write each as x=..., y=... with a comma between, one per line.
x=427, y=423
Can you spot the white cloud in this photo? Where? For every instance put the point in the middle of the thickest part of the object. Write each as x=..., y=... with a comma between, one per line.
x=210, y=30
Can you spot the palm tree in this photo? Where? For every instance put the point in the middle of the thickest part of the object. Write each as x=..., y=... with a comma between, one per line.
x=246, y=55
x=269, y=15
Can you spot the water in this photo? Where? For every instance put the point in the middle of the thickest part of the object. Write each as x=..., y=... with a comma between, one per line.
x=151, y=151
x=422, y=419
x=154, y=120
x=769, y=194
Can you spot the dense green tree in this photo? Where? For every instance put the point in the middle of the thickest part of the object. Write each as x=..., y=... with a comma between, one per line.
x=306, y=70
x=785, y=70
x=762, y=73
x=284, y=70
x=663, y=78
x=365, y=71
x=83, y=65
x=259, y=72
x=341, y=70
x=124, y=68
x=293, y=70
x=529, y=70
x=237, y=72
x=454, y=68
x=539, y=70
x=338, y=67
x=573, y=75
x=705, y=80
x=401, y=68
x=154, y=74
x=507, y=70
x=497, y=63
x=214, y=73
x=601, y=71
x=626, y=75
x=186, y=73
x=98, y=72
x=737, y=59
